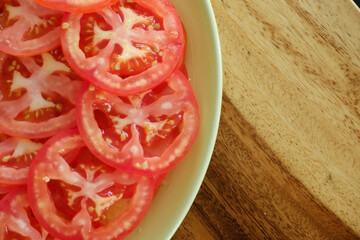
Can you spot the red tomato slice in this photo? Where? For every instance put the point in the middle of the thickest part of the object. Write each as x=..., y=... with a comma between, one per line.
x=147, y=133
x=37, y=95
x=27, y=28
x=17, y=220
x=16, y=155
x=127, y=48
x=85, y=199
x=80, y=6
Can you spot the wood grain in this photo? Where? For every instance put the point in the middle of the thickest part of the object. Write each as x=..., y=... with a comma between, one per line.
x=287, y=159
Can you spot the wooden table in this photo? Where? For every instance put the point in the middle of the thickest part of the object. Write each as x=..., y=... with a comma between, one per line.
x=287, y=159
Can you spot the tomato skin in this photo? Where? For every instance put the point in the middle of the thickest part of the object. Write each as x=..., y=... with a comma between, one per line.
x=12, y=37
x=81, y=7
x=99, y=68
x=131, y=156
x=48, y=166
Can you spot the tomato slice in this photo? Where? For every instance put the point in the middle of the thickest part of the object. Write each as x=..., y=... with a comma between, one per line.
x=127, y=48
x=37, y=95
x=16, y=155
x=80, y=6
x=147, y=133
x=84, y=199
x=27, y=28
x=17, y=220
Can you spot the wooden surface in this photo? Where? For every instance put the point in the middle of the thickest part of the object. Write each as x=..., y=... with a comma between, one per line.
x=287, y=159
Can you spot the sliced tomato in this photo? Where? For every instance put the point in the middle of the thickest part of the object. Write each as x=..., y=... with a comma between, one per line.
x=127, y=48
x=17, y=220
x=84, y=199
x=27, y=28
x=16, y=155
x=37, y=95
x=81, y=6
x=147, y=133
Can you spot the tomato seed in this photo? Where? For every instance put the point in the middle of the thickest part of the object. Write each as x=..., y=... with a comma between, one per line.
x=144, y=165
x=122, y=137
x=46, y=179
x=117, y=66
x=6, y=158
x=65, y=25
x=88, y=38
x=87, y=49
x=137, y=63
x=161, y=136
x=95, y=50
x=100, y=96
x=157, y=25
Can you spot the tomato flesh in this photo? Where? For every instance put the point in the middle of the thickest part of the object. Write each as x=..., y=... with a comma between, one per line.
x=5, y=189
x=17, y=220
x=79, y=198
x=16, y=155
x=85, y=163
x=127, y=48
x=147, y=133
x=26, y=28
x=37, y=95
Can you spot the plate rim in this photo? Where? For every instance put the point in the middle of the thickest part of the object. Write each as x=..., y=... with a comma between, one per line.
x=217, y=109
